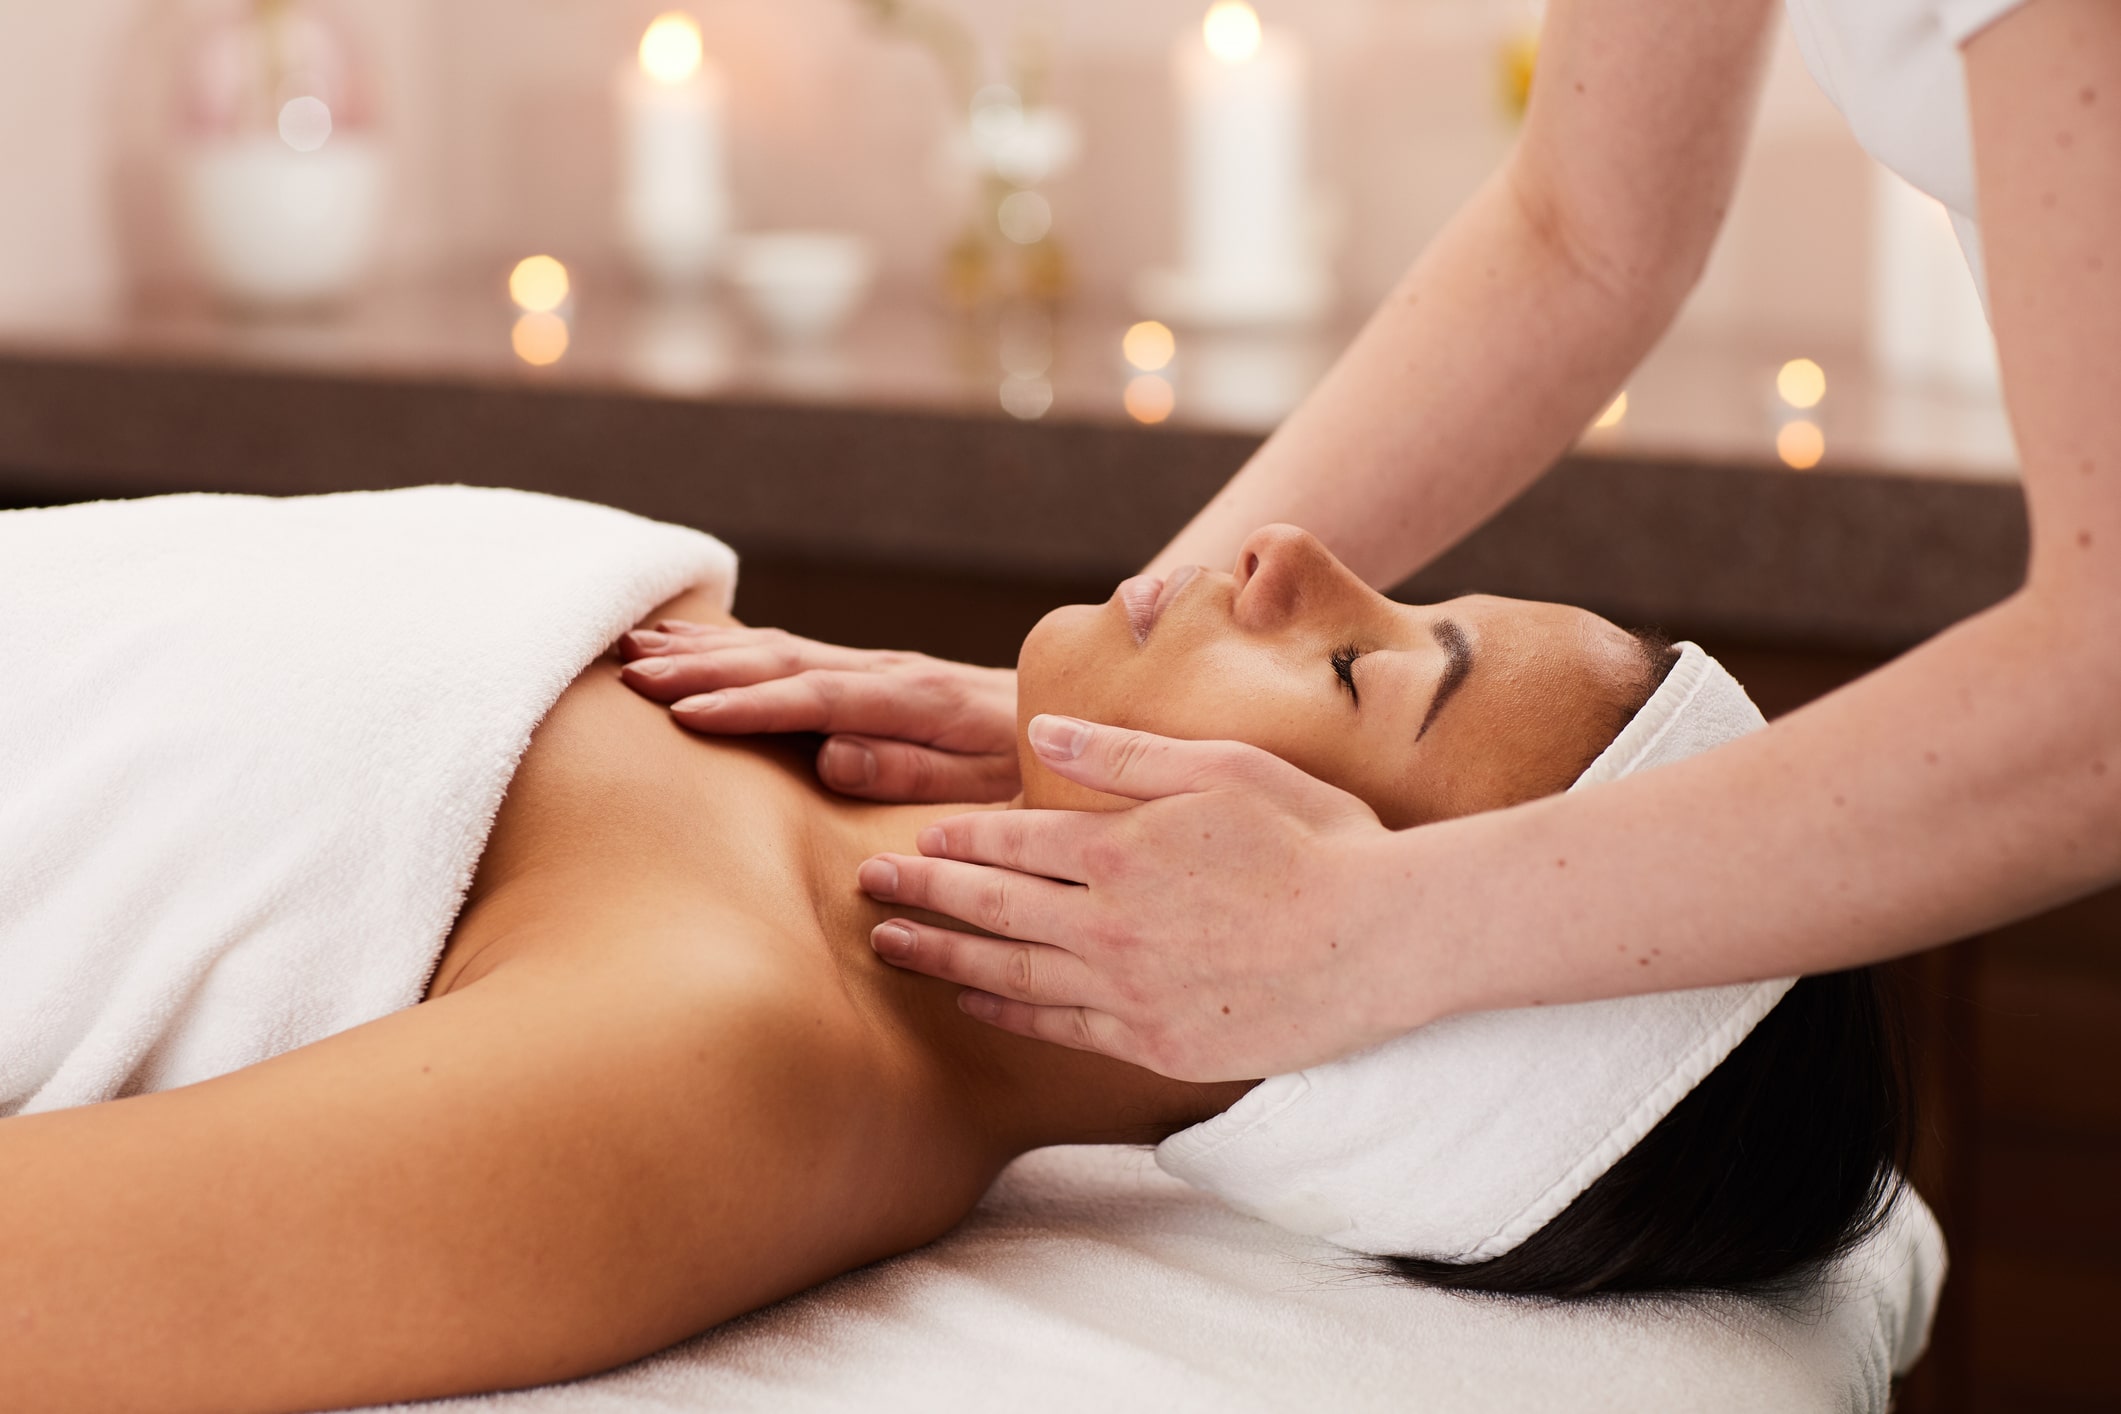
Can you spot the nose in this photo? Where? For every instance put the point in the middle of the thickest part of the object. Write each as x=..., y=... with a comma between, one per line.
x=1279, y=570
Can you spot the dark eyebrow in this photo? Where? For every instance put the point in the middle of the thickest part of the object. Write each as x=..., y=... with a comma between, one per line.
x=1458, y=654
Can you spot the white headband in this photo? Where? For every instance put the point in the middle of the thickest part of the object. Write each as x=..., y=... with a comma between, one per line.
x=1458, y=1141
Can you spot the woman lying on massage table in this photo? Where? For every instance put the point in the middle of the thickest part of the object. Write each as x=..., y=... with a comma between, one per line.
x=660, y=1078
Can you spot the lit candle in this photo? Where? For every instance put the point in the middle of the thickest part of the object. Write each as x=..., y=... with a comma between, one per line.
x=1247, y=250
x=674, y=203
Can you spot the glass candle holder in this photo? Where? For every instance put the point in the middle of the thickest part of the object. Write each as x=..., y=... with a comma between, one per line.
x=281, y=173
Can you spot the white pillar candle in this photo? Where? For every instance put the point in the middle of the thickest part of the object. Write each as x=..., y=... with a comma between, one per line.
x=1247, y=247
x=674, y=198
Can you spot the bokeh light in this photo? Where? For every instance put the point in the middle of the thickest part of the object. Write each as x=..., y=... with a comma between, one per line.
x=1231, y=29
x=538, y=284
x=1024, y=217
x=305, y=123
x=1149, y=398
x=1800, y=444
x=671, y=49
x=1026, y=396
x=540, y=339
x=1148, y=346
x=1614, y=411
x=1801, y=382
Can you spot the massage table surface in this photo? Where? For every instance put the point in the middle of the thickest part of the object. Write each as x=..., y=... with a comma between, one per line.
x=1088, y=1279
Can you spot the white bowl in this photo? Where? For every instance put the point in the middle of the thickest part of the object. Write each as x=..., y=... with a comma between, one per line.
x=801, y=285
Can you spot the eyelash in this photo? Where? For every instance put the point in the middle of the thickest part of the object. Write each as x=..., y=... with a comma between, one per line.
x=1344, y=669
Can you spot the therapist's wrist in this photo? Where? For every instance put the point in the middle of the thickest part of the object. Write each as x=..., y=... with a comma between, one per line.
x=1414, y=957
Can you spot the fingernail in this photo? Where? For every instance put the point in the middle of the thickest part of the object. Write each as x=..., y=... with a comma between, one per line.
x=892, y=940
x=930, y=840
x=879, y=878
x=847, y=764
x=979, y=1004
x=650, y=667
x=1061, y=738
x=648, y=641
x=705, y=702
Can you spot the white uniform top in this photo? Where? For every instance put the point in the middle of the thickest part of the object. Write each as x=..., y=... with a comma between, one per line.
x=1893, y=69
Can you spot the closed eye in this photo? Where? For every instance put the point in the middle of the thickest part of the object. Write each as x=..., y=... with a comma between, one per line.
x=1344, y=669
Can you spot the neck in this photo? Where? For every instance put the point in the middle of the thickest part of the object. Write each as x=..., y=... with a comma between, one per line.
x=1019, y=1094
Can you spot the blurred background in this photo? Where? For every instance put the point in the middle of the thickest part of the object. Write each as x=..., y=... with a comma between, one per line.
x=499, y=131
x=946, y=312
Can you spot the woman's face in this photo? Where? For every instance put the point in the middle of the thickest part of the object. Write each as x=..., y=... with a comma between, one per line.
x=1424, y=712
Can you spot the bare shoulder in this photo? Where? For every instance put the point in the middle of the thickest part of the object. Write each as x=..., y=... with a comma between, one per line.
x=586, y=1155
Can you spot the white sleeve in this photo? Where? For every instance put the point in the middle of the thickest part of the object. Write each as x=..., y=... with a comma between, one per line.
x=1961, y=20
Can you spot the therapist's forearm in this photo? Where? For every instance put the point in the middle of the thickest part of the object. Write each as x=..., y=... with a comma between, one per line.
x=1972, y=782
x=1484, y=365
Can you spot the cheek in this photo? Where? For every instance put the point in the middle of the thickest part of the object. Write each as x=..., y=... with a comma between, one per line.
x=1082, y=661
x=1281, y=702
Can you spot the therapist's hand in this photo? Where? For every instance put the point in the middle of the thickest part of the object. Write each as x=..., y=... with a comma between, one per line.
x=898, y=726
x=1213, y=931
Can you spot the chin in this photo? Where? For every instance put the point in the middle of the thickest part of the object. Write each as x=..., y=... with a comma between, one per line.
x=1066, y=666
x=1065, y=656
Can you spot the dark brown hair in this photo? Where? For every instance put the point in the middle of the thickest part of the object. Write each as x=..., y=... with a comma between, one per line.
x=1786, y=1156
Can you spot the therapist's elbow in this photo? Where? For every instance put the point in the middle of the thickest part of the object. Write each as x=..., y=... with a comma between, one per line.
x=2072, y=624
x=1641, y=261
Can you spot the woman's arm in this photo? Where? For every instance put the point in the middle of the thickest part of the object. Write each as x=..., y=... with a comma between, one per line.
x=568, y=1163
x=1974, y=780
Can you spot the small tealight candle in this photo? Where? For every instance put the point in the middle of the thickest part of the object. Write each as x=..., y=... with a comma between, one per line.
x=674, y=201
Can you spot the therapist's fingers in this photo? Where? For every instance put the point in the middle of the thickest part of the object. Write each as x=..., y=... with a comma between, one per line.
x=793, y=652
x=1020, y=906
x=1141, y=765
x=883, y=768
x=1081, y=1028
x=807, y=702
x=1060, y=844
x=672, y=675
x=1025, y=972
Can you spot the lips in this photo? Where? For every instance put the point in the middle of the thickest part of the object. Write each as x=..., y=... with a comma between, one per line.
x=1145, y=597
x=1138, y=597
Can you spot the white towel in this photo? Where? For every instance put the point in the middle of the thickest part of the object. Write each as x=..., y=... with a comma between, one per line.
x=250, y=751
x=1458, y=1141
x=1088, y=1280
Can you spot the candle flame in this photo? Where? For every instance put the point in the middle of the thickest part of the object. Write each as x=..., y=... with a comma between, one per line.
x=1149, y=346
x=538, y=284
x=1231, y=30
x=1801, y=382
x=671, y=50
